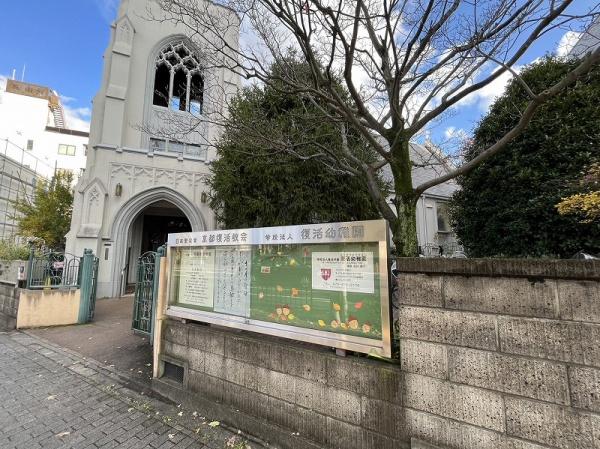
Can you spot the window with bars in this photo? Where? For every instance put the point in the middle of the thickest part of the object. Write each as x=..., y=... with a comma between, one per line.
x=178, y=81
x=174, y=146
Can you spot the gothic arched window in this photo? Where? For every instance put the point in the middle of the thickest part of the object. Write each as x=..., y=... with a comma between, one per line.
x=178, y=81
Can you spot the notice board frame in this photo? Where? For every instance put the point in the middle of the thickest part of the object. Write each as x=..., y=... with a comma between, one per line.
x=373, y=231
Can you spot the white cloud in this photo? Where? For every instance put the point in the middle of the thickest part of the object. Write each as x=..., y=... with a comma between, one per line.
x=453, y=133
x=486, y=96
x=77, y=118
x=65, y=99
x=567, y=42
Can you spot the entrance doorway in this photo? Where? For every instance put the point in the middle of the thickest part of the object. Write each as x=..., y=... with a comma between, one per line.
x=149, y=231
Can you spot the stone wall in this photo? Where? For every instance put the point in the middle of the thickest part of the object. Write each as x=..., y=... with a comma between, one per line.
x=9, y=304
x=9, y=270
x=494, y=355
x=502, y=354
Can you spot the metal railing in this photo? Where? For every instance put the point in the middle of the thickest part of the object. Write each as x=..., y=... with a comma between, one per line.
x=53, y=270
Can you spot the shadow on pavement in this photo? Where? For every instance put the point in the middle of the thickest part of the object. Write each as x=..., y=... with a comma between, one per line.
x=108, y=339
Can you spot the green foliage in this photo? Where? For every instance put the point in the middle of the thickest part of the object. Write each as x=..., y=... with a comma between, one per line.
x=12, y=251
x=507, y=205
x=275, y=162
x=585, y=204
x=48, y=215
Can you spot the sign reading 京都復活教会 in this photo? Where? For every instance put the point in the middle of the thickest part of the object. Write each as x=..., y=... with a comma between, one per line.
x=324, y=284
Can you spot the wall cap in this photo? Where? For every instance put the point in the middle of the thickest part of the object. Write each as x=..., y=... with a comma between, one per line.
x=530, y=268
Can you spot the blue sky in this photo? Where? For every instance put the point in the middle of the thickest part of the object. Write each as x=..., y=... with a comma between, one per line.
x=61, y=42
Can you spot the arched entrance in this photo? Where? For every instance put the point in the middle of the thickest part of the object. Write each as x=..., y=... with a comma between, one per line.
x=148, y=231
x=142, y=224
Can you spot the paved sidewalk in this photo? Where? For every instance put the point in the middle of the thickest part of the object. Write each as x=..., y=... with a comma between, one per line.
x=50, y=398
x=108, y=339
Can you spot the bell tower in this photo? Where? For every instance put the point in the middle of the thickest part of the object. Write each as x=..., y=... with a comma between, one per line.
x=150, y=142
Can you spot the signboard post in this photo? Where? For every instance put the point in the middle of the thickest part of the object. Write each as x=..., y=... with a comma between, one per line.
x=322, y=283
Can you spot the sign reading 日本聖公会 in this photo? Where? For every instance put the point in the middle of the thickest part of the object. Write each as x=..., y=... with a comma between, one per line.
x=325, y=283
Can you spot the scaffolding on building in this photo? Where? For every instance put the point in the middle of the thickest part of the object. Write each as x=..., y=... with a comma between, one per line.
x=20, y=171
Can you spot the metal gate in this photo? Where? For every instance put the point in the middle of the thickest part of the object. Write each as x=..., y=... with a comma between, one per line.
x=88, y=280
x=146, y=289
x=92, y=304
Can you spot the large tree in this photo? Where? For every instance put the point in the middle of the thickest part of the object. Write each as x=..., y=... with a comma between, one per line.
x=260, y=183
x=507, y=205
x=404, y=63
x=47, y=215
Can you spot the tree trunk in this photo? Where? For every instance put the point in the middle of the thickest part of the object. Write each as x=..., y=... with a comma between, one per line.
x=404, y=227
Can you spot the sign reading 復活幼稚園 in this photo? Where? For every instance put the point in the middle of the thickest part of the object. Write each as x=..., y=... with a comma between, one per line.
x=320, y=283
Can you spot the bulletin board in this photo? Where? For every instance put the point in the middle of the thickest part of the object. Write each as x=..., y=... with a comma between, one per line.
x=325, y=283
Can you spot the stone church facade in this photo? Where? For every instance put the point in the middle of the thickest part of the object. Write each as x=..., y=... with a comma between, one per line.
x=149, y=148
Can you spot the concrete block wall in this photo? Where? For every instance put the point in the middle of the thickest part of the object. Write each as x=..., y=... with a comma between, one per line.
x=504, y=353
x=9, y=270
x=9, y=305
x=320, y=399
x=493, y=355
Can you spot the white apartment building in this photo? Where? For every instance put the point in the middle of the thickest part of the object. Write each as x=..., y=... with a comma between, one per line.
x=32, y=119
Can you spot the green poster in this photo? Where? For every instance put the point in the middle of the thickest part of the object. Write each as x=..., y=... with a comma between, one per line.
x=282, y=289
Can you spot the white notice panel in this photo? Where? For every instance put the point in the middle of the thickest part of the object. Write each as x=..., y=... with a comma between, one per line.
x=343, y=271
x=232, y=281
x=196, y=277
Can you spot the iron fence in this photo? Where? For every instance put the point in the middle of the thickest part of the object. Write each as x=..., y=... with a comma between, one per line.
x=54, y=270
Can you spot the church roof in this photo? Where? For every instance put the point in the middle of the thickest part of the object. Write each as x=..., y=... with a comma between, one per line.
x=428, y=165
x=588, y=41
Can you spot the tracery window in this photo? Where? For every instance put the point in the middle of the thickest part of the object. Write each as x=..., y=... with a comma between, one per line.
x=178, y=80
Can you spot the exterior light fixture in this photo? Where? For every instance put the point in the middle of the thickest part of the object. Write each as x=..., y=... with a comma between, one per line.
x=118, y=189
x=204, y=197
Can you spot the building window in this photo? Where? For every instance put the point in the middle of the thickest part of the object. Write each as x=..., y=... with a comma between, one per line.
x=178, y=81
x=196, y=151
x=158, y=144
x=174, y=146
x=29, y=145
x=67, y=150
x=443, y=218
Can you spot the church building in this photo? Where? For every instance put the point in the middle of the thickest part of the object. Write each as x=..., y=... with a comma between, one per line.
x=150, y=142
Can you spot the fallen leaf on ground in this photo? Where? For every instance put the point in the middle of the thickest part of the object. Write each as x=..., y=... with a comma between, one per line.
x=51, y=397
x=214, y=423
x=62, y=434
x=180, y=414
x=171, y=436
